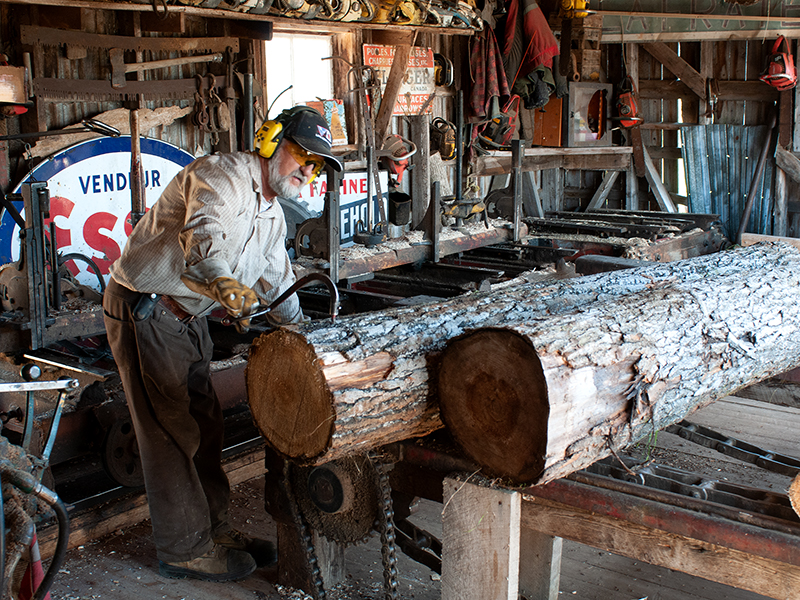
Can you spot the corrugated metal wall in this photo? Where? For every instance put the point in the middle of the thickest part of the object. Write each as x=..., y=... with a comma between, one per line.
x=720, y=165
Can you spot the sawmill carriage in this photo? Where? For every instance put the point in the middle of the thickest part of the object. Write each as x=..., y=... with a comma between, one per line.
x=460, y=246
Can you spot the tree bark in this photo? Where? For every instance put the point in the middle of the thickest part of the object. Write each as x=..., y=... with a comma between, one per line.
x=324, y=391
x=541, y=398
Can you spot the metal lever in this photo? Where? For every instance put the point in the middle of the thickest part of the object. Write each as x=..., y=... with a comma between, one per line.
x=30, y=372
x=300, y=283
x=51, y=434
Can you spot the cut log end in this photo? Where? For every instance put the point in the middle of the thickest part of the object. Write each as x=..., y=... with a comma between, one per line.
x=493, y=399
x=282, y=368
x=794, y=494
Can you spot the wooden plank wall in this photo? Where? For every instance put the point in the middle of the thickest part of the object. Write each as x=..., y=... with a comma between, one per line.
x=663, y=106
x=49, y=61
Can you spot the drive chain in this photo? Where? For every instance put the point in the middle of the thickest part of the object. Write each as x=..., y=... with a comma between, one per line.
x=387, y=531
x=306, y=538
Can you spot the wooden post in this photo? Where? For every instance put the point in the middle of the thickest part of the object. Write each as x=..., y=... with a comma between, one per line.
x=481, y=542
x=540, y=565
x=293, y=565
x=656, y=185
x=602, y=192
x=631, y=188
x=780, y=225
x=517, y=150
x=704, y=116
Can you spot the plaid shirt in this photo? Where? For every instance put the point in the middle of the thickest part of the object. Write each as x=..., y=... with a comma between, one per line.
x=211, y=214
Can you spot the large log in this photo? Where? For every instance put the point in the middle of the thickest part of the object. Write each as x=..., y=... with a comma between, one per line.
x=541, y=398
x=322, y=392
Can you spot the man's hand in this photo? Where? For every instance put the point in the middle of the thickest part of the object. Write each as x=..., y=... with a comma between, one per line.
x=236, y=298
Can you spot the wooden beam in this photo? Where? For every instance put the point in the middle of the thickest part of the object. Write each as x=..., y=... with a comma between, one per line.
x=748, y=239
x=396, y=75
x=788, y=162
x=610, y=158
x=704, y=116
x=683, y=70
x=796, y=116
x=785, y=118
x=420, y=175
x=781, y=214
x=755, y=91
x=540, y=565
x=654, y=179
x=602, y=192
x=481, y=542
x=696, y=557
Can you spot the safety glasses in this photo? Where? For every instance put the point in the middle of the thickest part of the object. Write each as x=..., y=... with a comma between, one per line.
x=304, y=157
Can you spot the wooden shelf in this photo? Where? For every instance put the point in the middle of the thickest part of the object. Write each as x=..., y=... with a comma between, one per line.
x=601, y=158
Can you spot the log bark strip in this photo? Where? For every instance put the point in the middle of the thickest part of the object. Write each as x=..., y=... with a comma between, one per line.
x=616, y=372
x=322, y=392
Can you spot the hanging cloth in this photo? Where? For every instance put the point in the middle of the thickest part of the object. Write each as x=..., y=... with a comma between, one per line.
x=488, y=75
x=528, y=41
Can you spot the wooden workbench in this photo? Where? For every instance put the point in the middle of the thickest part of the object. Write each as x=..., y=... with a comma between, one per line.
x=501, y=543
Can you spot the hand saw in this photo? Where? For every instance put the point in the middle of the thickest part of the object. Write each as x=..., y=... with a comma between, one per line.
x=49, y=36
x=97, y=90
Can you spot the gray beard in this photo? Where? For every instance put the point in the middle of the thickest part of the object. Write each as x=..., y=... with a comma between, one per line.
x=282, y=185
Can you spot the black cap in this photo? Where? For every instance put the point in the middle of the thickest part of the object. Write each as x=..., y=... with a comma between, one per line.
x=309, y=129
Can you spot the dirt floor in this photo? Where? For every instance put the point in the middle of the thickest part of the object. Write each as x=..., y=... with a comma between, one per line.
x=123, y=566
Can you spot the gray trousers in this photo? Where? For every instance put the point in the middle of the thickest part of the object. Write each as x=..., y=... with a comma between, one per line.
x=164, y=366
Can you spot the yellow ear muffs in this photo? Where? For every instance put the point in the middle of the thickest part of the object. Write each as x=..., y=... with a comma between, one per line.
x=268, y=137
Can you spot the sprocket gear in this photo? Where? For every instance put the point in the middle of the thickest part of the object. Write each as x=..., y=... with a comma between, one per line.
x=339, y=499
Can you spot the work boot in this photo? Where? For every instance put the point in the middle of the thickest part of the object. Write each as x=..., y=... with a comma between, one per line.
x=262, y=551
x=218, y=564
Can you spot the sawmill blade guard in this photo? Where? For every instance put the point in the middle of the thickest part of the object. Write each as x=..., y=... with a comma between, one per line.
x=338, y=499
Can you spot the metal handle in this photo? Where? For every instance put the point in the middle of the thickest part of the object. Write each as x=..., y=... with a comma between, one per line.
x=300, y=283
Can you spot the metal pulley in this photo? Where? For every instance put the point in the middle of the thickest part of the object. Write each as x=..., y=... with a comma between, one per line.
x=339, y=499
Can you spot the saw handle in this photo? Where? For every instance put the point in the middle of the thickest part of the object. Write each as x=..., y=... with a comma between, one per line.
x=300, y=283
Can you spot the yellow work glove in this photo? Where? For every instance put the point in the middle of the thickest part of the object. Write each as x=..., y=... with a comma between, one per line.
x=236, y=298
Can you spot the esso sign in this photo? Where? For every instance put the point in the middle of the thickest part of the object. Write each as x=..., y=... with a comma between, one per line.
x=90, y=198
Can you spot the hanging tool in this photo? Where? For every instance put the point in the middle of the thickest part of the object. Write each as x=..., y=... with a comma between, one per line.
x=119, y=68
x=627, y=104
x=395, y=154
x=50, y=36
x=363, y=79
x=443, y=138
x=780, y=72
x=496, y=133
x=86, y=125
x=568, y=11
x=627, y=98
x=442, y=70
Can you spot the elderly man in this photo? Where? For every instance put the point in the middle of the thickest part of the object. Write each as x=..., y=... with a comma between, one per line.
x=214, y=238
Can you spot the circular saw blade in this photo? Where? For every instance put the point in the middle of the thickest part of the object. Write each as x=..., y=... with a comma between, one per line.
x=339, y=499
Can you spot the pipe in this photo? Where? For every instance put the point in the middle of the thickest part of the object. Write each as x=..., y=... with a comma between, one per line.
x=61, y=546
x=28, y=484
x=459, y=143
x=248, y=126
x=762, y=161
x=54, y=278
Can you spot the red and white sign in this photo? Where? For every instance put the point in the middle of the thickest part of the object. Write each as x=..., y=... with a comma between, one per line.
x=90, y=198
x=418, y=83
